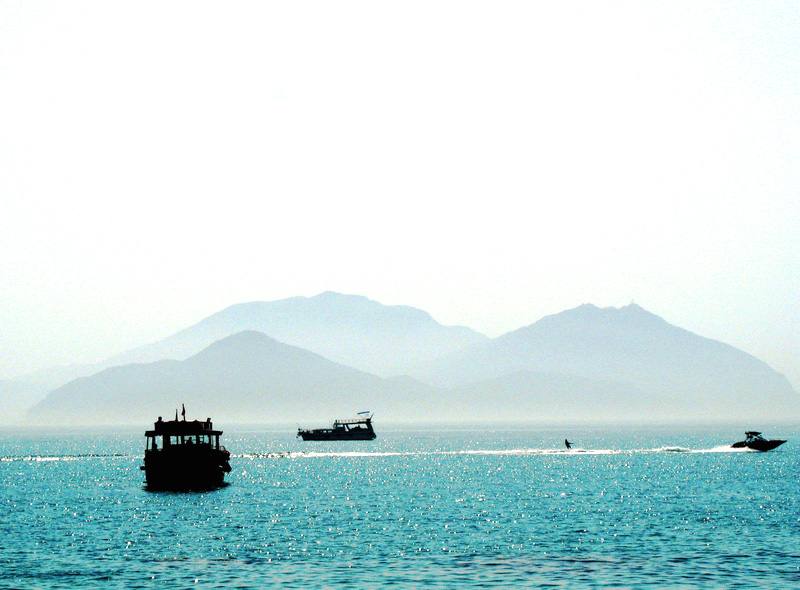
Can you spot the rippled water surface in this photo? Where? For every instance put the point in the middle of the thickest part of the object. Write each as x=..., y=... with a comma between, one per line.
x=452, y=508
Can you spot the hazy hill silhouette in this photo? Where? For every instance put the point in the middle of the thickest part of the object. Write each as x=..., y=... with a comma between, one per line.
x=585, y=363
x=348, y=329
x=246, y=377
x=672, y=369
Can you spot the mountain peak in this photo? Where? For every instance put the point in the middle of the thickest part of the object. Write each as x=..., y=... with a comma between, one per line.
x=584, y=315
x=244, y=338
x=360, y=306
x=336, y=296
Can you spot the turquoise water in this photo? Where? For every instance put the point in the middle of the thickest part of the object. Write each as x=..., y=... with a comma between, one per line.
x=456, y=508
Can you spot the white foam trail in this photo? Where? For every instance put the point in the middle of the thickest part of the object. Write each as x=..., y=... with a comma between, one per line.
x=39, y=459
x=476, y=452
x=671, y=450
x=538, y=452
x=513, y=452
x=350, y=454
x=48, y=459
x=316, y=454
x=505, y=452
x=726, y=449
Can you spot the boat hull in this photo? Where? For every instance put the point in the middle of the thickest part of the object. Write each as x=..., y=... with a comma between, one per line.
x=328, y=435
x=184, y=471
x=758, y=445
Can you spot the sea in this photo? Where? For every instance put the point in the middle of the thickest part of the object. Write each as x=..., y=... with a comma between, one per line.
x=423, y=506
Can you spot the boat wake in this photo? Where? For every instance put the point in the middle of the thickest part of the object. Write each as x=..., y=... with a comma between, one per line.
x=488, y=452
x=671, y=450
x=572, y=451
x=726, y=449
x=48, y=458
x=355, y=454
x=468, y=452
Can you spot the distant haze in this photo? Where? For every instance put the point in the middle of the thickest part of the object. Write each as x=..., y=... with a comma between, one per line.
x=303, y=359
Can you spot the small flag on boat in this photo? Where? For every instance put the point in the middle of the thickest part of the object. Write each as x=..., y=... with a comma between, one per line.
x=183, y=411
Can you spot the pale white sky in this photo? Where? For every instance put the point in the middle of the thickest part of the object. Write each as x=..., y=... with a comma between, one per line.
x=489, y=162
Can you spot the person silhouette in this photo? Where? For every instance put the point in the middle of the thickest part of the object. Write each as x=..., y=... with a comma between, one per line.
x=567, y=443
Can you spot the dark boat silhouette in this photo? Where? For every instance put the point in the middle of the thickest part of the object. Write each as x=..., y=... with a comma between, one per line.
x=182, y=455
x=355, y=429
x=754, y=440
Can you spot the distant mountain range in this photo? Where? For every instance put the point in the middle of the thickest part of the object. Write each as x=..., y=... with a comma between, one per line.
x=657, y=369
x=237, y=378
x=348, y=329
x=308, y=359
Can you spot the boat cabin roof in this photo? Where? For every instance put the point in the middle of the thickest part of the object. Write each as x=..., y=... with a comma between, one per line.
x=363, y=420
x=182, y=427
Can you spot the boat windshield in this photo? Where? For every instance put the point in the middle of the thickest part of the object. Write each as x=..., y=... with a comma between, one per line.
x=176, y=440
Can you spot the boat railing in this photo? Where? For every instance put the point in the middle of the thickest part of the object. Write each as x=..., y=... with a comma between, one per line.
x=354, y=421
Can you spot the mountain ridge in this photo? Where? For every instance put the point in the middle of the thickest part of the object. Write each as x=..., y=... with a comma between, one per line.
x=628, y=345
x=350, y=329
x=614, y=359
x=246, y=375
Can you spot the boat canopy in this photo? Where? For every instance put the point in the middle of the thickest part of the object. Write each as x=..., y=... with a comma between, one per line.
x=182, y=427
x=354, y=420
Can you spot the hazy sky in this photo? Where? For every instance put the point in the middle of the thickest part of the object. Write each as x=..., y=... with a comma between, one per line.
x=488, y=162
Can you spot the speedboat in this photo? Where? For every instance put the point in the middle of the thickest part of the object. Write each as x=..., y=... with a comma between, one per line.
x=754, y=440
